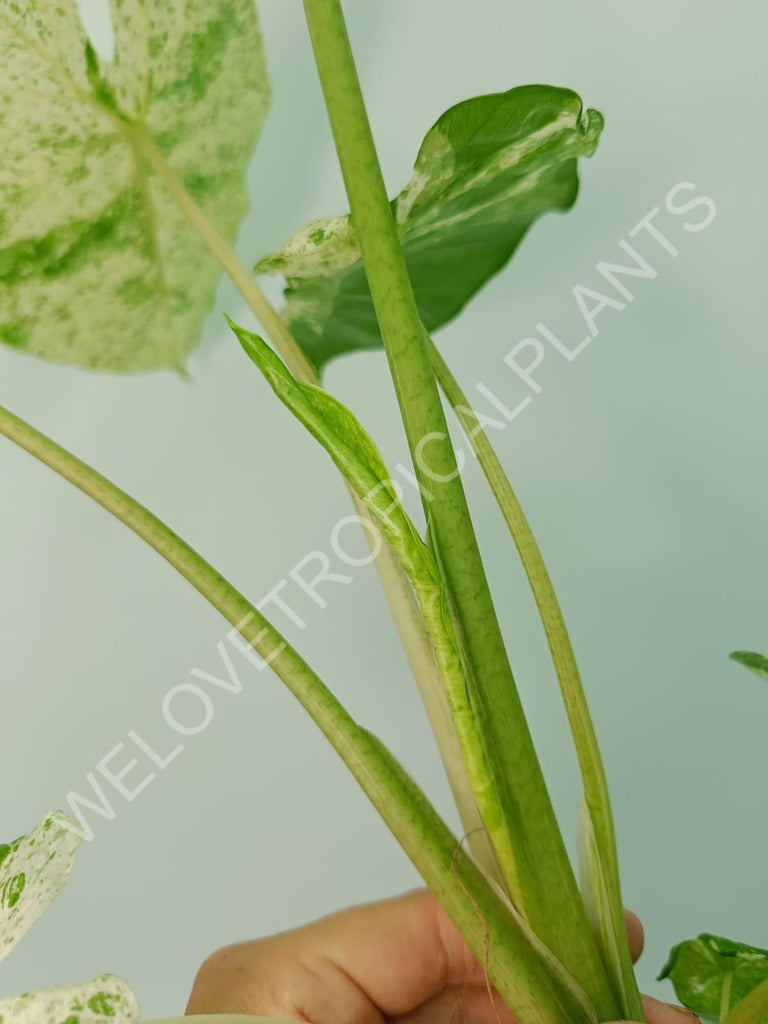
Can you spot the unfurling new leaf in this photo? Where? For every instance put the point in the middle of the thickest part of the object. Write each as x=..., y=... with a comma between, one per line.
x=98, y=267
x=352, y=450
x=485, y=172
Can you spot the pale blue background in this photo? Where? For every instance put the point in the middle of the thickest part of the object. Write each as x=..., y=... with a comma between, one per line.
x=642, y=467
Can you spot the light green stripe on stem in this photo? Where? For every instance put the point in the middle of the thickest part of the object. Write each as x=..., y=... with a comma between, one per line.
x=541, y=879
x=515, y=967
x=593, y=775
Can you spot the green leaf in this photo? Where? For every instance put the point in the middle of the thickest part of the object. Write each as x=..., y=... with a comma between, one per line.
x=105, y=1000
x=33, y=871
x=485, y=172
x=701, y=968
x=757, y=663
x=98, y=268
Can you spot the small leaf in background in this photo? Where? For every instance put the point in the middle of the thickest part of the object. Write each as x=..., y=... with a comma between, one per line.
x=105, y=1000
x=486, y=171
x=700, y=968
x=97, y=266
x=757, y=663
x=33, y=871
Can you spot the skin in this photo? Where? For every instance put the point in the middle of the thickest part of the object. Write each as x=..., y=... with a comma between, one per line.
x=400, y=961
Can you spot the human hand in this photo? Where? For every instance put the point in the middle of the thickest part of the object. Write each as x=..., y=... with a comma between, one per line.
x=400, y=961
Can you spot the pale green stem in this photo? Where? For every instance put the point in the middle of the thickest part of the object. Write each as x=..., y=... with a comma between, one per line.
x=540, y=877
x=582, y=727
x=494, y=934
x=408, y=621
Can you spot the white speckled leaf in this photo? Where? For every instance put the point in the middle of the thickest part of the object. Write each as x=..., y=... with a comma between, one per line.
x=97, y=266
x=33, y=871
x=105, y=1000
x=486, y=170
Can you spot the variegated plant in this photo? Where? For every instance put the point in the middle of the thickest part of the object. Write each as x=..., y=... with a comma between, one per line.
x=33, y=871
x=121, y=188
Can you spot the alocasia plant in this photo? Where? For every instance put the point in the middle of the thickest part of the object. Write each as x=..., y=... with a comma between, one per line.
x=120, y=192
x=33, y=871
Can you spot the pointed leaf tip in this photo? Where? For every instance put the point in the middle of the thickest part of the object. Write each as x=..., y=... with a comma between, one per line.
x=756, y=663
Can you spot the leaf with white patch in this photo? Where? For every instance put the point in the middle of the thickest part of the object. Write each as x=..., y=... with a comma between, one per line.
x=485, y=172
x=98, y=267
x=756, y=663
x=33, y=871
x=105, y=1000
x=711, y=974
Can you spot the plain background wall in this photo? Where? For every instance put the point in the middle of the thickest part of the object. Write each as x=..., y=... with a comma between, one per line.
x=641, y=465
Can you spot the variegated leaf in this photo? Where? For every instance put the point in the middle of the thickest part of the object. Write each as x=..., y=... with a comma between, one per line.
x=105, y=1000
x=33, y=871
x=712, y=974
x=98, y=268
x=485, y=172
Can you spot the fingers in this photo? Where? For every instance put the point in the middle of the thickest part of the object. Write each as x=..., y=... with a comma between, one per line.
x=635, y=934
x=459, y=1004
x=352, y=968
x=401, y=959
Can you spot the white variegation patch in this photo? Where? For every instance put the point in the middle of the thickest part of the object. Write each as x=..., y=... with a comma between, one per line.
x=98, y=267
x=33, y=871
x=485, y=172
x=105, y=1000
x=322, y=247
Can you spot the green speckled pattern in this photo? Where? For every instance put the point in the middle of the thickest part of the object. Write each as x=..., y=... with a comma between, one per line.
x=105, y=1000
x=33, y=871
x=97, y=266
